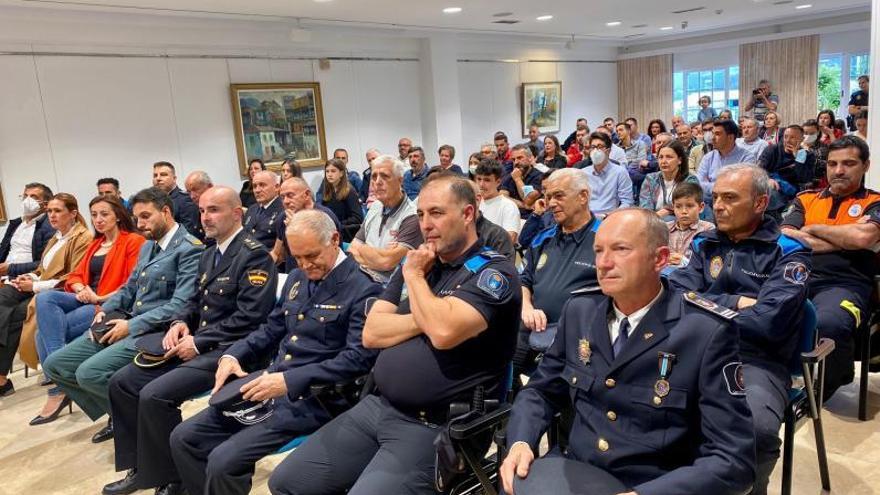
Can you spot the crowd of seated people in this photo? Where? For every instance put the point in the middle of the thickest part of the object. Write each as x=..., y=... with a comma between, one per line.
x=574, y=263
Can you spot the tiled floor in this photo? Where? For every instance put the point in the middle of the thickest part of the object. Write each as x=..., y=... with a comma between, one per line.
x=59, y=459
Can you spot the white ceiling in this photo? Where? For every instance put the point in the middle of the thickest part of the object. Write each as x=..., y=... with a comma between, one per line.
x=582, y=18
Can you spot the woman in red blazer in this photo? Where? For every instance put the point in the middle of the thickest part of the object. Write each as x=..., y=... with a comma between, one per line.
x=64, y=315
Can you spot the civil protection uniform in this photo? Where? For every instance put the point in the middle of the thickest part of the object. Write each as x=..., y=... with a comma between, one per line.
x=773, y=269
x=313, y=336
x=667, y=414
x=841, y=282
x=161, y=284
x=235, y=292
x=385, y=443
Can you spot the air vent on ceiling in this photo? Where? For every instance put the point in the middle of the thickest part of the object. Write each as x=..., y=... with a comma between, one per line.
x=639, y=26
x=783, y=2
x=685, y=11
x=637, y=35
x=506, y=21
x=503, y=14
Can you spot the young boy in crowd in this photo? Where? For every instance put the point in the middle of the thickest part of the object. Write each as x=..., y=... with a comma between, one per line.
x=687, y=203
x=494, y=207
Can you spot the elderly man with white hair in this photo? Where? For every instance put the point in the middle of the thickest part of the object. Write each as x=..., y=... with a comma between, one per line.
x=390, y=228
x=262, y=218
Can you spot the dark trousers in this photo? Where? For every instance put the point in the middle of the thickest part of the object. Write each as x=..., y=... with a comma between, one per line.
x=372, y=448
x=767, y=396
x=524, y=358
x=216, y=454
x=145, y=405
x=13, y=310
x=561, y=476
x=839, y=324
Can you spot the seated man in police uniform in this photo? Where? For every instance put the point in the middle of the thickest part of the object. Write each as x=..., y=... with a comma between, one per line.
x=652, y=377
x=161, y=284
x=262, y=218
x=842, y=225
x=455, y=331
x=560, y=261
x=236, y=291
x=748, y=265
x=313, y=336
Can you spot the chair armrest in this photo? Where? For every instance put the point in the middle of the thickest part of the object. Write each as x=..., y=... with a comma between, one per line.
x=463, y=431
x=820, y=352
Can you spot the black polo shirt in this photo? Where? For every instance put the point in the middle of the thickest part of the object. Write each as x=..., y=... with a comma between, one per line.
x=558, y=264
x=533, y=178
x=414, y=374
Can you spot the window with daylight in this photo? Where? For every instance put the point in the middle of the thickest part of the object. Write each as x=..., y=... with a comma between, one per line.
x=721, y=85
x=839, y=78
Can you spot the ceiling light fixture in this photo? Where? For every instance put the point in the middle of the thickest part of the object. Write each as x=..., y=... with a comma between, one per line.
x=613, y=23
x=667, y=28
x=544, y=17
x=803, y=6
x=452, y=10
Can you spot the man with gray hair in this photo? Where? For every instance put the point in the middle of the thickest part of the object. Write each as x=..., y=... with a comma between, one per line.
x=296, y=195
x=262, y=218
x=750, y=139
x=366, y=194
x=390, y=228
x=196, y=184
x=559, y=262
x=749, y=266
x=313, y=336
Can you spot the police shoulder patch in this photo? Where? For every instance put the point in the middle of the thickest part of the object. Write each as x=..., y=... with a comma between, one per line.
x=705, y=304
x=796, y=272
x=493, y=282
x=258, y=278
x=733, y=377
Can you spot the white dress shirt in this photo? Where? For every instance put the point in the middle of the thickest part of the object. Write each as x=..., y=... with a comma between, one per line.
x=633, y=318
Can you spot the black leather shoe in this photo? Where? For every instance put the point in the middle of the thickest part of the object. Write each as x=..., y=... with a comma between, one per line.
x=7, y=389
x=41, y=420
x=171, y=489
x=124, y=486
x=104, y=434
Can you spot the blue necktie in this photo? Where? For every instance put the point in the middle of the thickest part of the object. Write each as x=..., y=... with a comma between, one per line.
x=217, y=256
x=622, y=332
x=312, y=287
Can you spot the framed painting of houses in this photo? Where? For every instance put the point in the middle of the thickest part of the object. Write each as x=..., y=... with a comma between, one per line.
x=542, y=105
x=279, y=121
x=3, y=217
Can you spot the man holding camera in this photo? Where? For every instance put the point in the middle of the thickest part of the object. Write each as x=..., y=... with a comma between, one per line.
x=763, y=100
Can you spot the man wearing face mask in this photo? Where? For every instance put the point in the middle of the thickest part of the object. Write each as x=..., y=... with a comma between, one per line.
x=610, y=185
x=791, y=168
x=703, y=147
x=26, y=236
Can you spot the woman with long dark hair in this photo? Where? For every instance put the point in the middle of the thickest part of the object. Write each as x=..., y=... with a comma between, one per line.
x=827, y=132
x=64, y=315
x=553, y=157
x=341, y=198
x=656, y=192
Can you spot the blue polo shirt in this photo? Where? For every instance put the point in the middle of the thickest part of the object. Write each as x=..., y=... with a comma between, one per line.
x=609, y=189
x=412, y=184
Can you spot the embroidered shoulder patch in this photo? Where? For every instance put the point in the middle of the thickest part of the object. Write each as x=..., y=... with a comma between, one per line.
x=258, y=278
x=796, y=273
x=492, y=282
x=733, y=376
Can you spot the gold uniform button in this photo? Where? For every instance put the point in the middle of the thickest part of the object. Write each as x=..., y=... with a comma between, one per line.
x=611, y=415
x=205, y=308
x=143, y=274
x=300, y=317
x=286, y=312
x=288, y=357
x=221, y=291
x=657, y=401
x=204, y=323
x=321, y=319
x=294, y=338
x=602, y=445
x=610, y=383
x=574, y=380
x=140, y=303
x=206, y=292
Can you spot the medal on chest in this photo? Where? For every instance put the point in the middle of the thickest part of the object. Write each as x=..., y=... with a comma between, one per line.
x=584, y=351
x=665, y=361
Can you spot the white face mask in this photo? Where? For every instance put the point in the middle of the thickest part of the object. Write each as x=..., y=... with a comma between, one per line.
x=811, y=138
x=30, y=206
x=472, y=169
x=597, y=156
x=708, y=136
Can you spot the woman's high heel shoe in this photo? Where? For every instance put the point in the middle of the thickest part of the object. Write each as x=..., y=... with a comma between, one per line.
x=41, y=420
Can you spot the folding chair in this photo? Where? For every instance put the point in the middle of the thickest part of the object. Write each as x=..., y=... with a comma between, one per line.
x=864, y=335
x=806, y=400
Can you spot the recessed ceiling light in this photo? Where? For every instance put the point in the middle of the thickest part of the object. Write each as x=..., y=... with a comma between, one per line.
x=452, y=10
x=544, y=17
x=613, y=23
x=667, y=28
x=322, y=1
x=804, y=6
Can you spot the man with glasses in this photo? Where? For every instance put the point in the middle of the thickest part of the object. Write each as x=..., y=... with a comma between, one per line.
x=610, y=185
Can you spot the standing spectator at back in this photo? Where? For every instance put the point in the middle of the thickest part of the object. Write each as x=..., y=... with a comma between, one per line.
x=762, y=101
x=494, y=206
x=706, y=111
x=858, y=102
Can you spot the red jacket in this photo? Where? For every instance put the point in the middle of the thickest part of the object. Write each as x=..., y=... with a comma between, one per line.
x=574, y=154
x=118, y=263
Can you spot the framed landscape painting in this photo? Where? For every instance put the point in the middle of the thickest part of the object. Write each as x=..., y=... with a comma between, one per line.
x=542, y=105
x=279, y=121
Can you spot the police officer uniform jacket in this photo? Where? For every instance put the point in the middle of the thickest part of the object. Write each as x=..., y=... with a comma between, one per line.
x=159, y=286
x=694, y=437
x=262, y=223
x=232, y=299
x=187, y=213
x=768, y=266
x=314, y=338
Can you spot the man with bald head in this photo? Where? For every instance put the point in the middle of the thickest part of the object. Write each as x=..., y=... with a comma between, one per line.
x=262, y=218
x=647, y=372
x=296, y=195
x=235, y=292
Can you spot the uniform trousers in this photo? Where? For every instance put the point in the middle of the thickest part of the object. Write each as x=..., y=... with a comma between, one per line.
x=215, y=454
x=562, y=476
x=839, y=324
x=767, y=396
x=82, y=369
x=372, y=448
x=145, y=404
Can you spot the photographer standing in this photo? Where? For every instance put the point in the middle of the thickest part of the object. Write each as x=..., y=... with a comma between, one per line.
x=763, y=100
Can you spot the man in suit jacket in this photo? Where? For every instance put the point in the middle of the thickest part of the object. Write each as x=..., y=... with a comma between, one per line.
x=653, y=377
x=236, y=291
x=313, y=336
x=162, y=283
x=26, y=237
x=185, y=212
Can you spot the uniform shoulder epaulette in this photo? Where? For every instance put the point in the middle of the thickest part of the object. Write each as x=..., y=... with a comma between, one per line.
x=194, y=240
x=698, y=240
x=707, y=305
x=251, y=243
x=790, y=245
x=544, y=235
